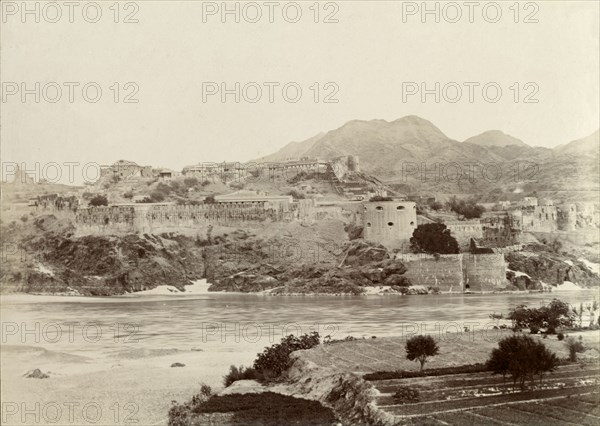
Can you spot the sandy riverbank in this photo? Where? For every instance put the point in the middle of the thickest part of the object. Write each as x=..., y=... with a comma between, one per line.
x=134, y=387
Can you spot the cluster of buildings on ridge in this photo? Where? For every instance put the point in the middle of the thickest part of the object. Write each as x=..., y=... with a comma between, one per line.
x=389, y=222
x=128, y=170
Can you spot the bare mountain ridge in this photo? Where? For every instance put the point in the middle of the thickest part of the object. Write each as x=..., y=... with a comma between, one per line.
x=292, y=150
x=386, y=148
x=589, y=145
x=384, y=145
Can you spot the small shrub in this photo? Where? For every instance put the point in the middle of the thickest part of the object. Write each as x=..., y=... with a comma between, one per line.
x=406, y=395
x=157, y=196
x=239, y=373
x=190, y=182
x=98, y=200
x=444, y=371
x=274, y=360
x=435, y=205
x=560, y=336
x=468, y=208
x=298, y=195
x=354, y=231
x=205, y=390
x=574, y=346
x=327, y=340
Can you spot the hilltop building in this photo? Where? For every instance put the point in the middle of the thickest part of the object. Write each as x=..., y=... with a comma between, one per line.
x=279, y=203
x=124, y=170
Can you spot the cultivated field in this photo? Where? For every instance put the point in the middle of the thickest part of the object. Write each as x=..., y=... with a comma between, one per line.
x=388, y=354
x=567, y=396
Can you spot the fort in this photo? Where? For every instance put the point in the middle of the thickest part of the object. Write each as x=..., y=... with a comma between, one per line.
x=464, y=230
x=339, y=167
x=390, y=223
x=536, y=218
x=162, y=217
x=124, y=169
x=499, y=230
x=279, y=203
x=456, y=273
x=242, y=208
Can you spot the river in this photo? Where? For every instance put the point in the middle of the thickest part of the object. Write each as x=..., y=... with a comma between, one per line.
x=230, y=321
x=113, y=358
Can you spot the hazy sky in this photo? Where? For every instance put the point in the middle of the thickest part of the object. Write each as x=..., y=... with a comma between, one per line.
x=369, y=55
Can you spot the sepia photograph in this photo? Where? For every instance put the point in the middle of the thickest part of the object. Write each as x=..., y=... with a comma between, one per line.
x=312, y=212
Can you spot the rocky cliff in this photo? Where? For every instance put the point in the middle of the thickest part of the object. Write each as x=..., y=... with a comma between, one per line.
x=542, y=265
x=346, y=269
x=47, y=258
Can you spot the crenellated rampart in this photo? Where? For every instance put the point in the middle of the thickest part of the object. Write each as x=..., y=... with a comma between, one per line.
x=158, y=218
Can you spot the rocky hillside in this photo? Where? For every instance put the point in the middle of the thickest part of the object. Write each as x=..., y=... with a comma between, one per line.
x=496, y=138
x=50, y=259
x=247, y=267
x=543, y=265
x=292, y=150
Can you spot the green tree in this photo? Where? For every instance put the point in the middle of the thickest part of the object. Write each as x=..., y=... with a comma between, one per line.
x=435, y=205
x=556, y=314
x=467, y=208
x=433, y=238
x=522, y=357
x=419, y=348
x=98, y=200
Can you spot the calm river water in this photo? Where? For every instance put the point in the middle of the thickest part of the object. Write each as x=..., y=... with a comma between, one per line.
x=221, y=322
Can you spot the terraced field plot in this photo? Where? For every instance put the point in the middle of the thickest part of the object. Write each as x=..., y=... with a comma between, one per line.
x=569, y=396
x=388, y=354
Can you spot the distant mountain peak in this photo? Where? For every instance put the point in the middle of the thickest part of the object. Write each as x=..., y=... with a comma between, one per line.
x=413, y=119
x=495, y=138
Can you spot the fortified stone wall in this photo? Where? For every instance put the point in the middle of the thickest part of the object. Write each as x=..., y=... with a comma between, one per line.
x=444, y=272
x=484, y=272
x=537, y=219
x=456, y=272
x=149, y=218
